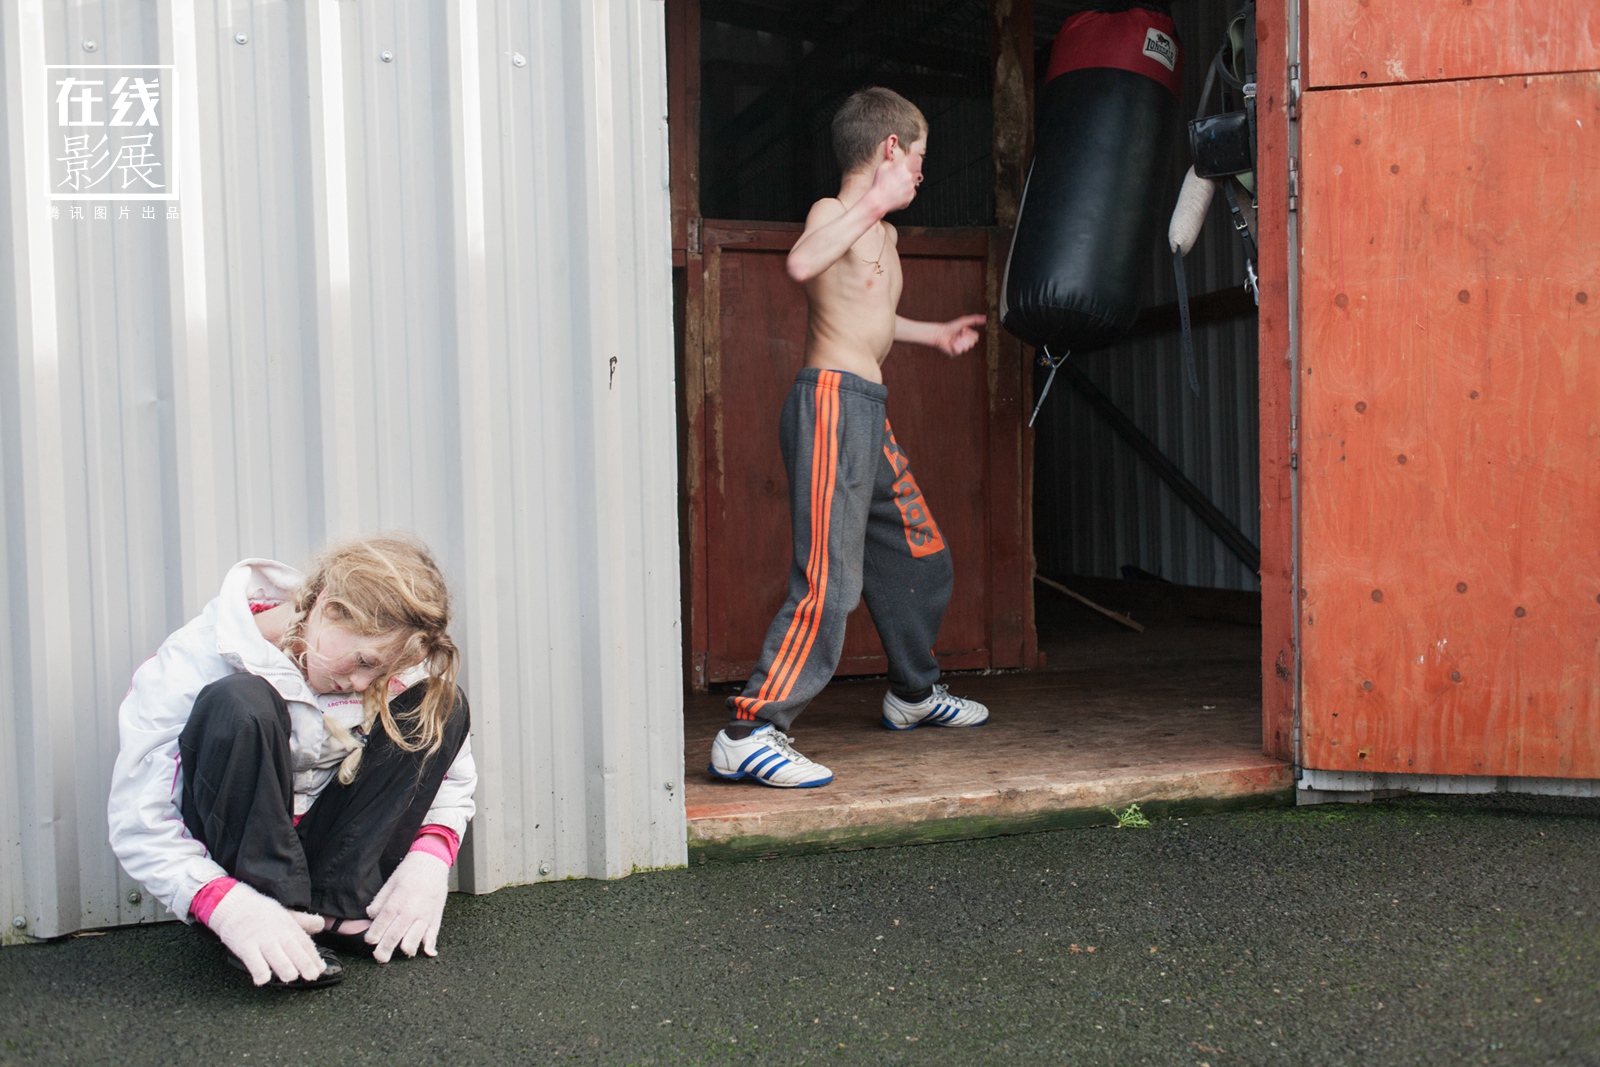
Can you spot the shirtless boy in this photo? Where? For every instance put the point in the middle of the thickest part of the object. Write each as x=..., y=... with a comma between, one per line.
x=861, y=527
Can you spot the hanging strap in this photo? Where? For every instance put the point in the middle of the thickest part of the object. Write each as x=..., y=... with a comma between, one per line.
x=1242, y=225
x=1249, y=14
x=1054, y=363
x=1183, y=318
x=1249, y=89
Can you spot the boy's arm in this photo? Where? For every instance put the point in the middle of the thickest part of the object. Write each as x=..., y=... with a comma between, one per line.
x=952, y=338
x=831, y=229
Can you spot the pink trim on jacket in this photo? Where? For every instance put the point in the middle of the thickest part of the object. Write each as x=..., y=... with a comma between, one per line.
x=440, y=842
x=205, y=902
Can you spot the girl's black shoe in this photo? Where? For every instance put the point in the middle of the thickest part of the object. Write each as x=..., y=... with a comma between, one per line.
x=350, y=944
x=332, y=975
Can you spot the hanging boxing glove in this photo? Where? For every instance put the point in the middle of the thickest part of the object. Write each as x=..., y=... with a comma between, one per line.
x=1194, y=200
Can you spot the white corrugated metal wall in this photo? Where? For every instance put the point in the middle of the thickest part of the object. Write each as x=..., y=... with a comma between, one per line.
x=430, y=293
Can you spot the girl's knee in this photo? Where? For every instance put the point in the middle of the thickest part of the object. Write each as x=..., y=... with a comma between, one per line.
x=239, y=702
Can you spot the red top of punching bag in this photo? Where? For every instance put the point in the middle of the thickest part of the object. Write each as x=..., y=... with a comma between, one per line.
x=1137, y=40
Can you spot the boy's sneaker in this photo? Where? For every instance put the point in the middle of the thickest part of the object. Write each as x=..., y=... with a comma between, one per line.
x=768, y=756
x=939, y=709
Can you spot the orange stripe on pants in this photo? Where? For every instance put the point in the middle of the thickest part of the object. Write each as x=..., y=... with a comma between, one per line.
x=820, y=530
x=803, y=627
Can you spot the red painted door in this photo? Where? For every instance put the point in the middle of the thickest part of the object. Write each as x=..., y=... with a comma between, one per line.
x=958, y=420
x=1450, y=391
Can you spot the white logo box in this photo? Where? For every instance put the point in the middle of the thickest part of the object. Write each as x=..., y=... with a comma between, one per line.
x=113, y=131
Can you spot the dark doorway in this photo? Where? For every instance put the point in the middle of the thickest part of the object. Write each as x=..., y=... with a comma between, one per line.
x=1172, y=712
x=770, y=76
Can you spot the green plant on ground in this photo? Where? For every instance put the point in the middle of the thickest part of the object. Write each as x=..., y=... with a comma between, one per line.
x=1132, y=819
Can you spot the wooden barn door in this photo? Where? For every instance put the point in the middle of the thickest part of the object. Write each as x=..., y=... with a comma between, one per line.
x=1450, y=388
x=958, y=420
x=742, y=333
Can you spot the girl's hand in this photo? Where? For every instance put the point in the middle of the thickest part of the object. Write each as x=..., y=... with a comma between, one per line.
x=958, y=335
x=407, y=910
x=268, y=938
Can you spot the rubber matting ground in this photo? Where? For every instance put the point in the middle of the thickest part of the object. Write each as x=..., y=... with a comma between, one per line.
x=1422, y=931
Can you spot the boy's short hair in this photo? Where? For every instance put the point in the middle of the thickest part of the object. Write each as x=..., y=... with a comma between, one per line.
x=868, y=117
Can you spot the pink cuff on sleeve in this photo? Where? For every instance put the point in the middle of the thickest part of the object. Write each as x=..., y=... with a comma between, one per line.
x=205, y=902
x=438, y=841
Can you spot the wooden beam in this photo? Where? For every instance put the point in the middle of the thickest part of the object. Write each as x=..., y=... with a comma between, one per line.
x=1011, y=41
x=1279, y=661
x=1015, y=637
x=683, y=143
x=1207, y=512
x=1086, y=602
x=1224, y=305
x=683, y=116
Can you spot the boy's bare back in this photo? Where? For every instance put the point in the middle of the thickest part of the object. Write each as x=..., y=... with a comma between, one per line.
x=851, y=305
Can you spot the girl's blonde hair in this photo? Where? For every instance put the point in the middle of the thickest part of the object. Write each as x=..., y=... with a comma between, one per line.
x=388, y=587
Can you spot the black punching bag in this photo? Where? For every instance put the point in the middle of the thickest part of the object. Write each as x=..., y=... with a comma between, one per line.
x=1090, y=209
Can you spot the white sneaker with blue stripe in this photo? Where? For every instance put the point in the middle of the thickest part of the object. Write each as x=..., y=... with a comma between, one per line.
x=766, y=756
x=939, y=709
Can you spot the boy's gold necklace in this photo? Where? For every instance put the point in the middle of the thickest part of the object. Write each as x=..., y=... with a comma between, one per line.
x=877, y=264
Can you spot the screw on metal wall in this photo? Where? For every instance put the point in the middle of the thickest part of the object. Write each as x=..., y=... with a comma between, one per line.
x=90, y=46
x=386, y=55
x=241, y=38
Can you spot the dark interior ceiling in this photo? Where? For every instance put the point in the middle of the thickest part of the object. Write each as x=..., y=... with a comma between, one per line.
x=774, y=71
x=808, y=20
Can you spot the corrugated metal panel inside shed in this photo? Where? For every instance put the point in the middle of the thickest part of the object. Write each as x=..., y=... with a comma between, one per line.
x=431, y=292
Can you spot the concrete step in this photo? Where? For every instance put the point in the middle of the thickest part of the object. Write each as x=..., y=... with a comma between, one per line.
x=748, y=828
x=1169, y=720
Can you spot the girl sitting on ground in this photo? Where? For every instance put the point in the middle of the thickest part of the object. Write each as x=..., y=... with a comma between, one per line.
x=295, y=762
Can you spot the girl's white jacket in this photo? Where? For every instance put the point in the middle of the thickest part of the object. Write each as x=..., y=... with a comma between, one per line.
x=147, y=830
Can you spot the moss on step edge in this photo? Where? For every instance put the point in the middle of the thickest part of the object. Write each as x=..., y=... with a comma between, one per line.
x=849, y=838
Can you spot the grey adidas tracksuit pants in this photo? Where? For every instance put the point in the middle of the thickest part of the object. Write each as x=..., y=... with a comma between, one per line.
x=861, y=529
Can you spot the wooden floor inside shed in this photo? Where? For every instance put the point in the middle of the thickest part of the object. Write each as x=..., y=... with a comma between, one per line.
x=1169, y=719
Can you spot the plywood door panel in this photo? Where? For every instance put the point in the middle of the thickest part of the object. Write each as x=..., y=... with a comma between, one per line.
x=939, y=408
x=1450, y=465
x=1373, y=42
